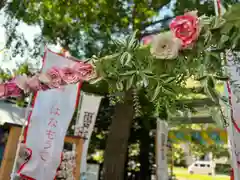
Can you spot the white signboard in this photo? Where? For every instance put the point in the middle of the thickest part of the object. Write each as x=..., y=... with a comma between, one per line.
x=92, y=171
x=86, y=122
x=233, y=93
x=162, y=138
x=48, y=123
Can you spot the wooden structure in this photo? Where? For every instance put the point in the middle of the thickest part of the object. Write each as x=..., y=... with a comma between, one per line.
x=201, y=117
x=14, y=124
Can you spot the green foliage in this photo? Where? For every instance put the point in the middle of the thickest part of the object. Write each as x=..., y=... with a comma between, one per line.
x=133, y=67
x=81, y=26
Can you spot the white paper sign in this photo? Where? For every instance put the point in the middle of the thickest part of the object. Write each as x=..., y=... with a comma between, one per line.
x=85, y=124
x=92, y=171
x=162, y=137
x=52, y=113
x=234, y=116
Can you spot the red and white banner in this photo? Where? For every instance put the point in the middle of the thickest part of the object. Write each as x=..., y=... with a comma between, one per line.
x=48, y=124
x=233, y=92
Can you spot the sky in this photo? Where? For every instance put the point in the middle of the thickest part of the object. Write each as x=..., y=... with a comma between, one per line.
x=29, y=33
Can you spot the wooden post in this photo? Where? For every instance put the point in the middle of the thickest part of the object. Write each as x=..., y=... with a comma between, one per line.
x=79, y=147
x=11, y=147
x=9, y=153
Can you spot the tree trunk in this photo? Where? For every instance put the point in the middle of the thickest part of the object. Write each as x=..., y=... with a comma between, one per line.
x=145, y=173
x=117, y=142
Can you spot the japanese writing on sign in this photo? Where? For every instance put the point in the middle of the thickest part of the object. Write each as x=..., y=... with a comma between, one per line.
x=83, y=130
x=163, y=146
x=50, y=133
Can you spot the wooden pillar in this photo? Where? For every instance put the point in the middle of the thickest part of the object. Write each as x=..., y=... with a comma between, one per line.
x=79, y=148
x=11, y=147
x=9, y=153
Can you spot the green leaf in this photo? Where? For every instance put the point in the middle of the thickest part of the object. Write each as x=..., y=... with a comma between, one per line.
x=156, y=92
x=169, y=80
x=131, y=43
x=119, y=86
x=145, y=81
x=148, y=72
x=95, y=81
x=210, y=82
x=125, y=57
x=168, y=91
x=130, y=82
x=235, y=40
x=211, y=92
x=226, y=28
x=163, y=76
x=221, y=78
x=128, y=73
x=218, y=22
x=233, y=13
x=128, y=60
x=202, y=78
x=224, y=38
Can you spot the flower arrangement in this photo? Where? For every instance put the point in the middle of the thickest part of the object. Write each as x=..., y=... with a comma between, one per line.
x=184, y=32
x=53, y=78
x=195, y=43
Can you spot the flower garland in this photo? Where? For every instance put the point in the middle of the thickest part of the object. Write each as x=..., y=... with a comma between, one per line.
x=53, y=78
x=184, y=32
x=67, y=168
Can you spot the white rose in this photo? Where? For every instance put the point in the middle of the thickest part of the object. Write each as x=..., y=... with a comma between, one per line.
x=165, y=46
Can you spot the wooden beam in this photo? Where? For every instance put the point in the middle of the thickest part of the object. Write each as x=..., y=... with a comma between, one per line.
x=192, y=120
x=9, y=153
x=198, y=102
x=79, y=147
x=200, y=131
x=72, y=139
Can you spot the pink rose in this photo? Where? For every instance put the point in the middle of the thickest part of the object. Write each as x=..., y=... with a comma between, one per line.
x=83, y=70
x=69, y=76
x=55, y=77
x=12, y=90
x=186, y=28
x=34, y=83
x=2, y=90
x=147, y=40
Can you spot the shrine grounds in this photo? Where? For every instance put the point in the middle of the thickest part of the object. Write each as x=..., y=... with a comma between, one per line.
x=182, y=174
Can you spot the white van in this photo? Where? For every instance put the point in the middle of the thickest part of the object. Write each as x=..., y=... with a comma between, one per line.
x=202, y=167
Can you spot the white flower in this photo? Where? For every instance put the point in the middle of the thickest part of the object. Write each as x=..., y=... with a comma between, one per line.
x=165, y=46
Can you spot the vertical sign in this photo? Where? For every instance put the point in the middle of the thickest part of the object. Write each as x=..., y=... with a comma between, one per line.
x=48, y=124
x=162, y=138
x=85, y=124
x=233, y=91
x=92, y=171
